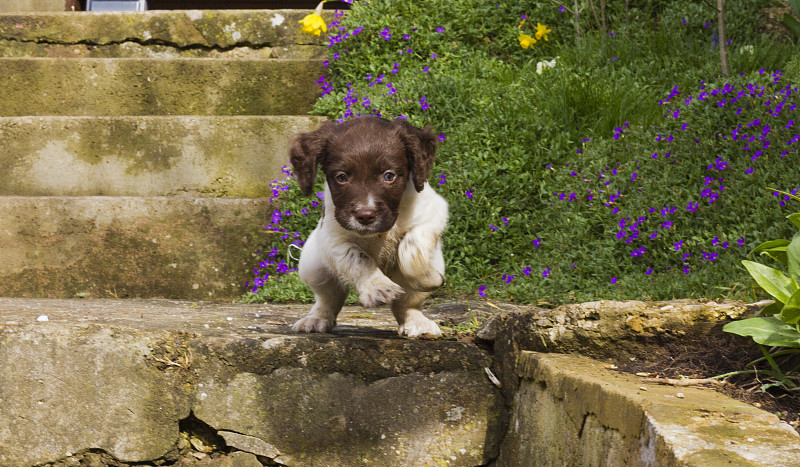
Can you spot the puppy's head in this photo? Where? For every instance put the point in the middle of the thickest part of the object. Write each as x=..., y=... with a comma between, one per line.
x=367, y=163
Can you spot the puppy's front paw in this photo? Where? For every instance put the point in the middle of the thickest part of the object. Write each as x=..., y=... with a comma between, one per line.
x=312, y=323
x=379, y=292
x=427, y=283
x=417, y=325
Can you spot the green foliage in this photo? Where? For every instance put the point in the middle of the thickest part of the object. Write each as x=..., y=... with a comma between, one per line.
x=791, y=22
x=521, y=139
x=781, y=329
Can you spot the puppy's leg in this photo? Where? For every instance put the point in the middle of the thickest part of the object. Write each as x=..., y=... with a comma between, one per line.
x=413, y=323
x=329, y=292
x=372, y=285
x=420, y=259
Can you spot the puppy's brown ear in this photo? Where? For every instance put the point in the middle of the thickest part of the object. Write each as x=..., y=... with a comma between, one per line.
x=420, y=149
x=307, y=151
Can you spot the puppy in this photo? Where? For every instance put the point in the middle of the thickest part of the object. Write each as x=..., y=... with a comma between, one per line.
x=381, y=228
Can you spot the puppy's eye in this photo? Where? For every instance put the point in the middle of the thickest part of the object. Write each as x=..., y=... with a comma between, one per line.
x=341, y=177
x=389, y=177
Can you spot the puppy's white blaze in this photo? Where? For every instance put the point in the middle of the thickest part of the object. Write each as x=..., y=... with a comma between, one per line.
x=370, y=203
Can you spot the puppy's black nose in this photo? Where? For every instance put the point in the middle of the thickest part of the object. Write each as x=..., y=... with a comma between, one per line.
x=365, y=216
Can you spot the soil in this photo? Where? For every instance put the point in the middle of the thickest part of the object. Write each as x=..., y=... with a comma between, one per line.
x=724, y=354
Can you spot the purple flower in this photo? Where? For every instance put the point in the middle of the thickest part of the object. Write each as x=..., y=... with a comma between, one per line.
x=710, y=256
x=527, y=271
x=508, y=278
x=536, y=242
x=545, y=273
x=469, y=194
x=386, y=34
x=482, y=291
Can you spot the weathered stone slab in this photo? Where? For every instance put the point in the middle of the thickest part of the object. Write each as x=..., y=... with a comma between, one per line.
x=146, y=156
x=613, y=330
x=66, y=389
x=130, y=86
x=173, y=247
x=33, y=5
x=571, y=410
x=205, y=31
x=357, y=395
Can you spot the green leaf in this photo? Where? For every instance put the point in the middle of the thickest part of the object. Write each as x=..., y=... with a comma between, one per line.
x=772, y=309
x=768, y=331
x=771, y=280
x=793, y=258
x=781, y=242
x=790, y=313
x=792, y=24
x=794, y=219
x=795, y=6
x=775, y=249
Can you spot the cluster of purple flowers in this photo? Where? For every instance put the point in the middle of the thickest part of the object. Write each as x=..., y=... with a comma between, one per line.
x=754, y=138
x=274, y=263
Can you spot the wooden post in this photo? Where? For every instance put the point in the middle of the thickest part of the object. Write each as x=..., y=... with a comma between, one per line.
x=723, y=46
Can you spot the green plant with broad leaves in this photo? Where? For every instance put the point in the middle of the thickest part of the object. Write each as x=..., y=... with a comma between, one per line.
x=791, y=23
x=777, y=327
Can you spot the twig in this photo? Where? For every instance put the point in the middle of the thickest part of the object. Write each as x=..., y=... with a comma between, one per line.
x=493, y=378
x=576, y=12
x=684, y=382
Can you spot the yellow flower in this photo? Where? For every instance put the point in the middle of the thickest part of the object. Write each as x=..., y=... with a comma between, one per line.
x=542, y=31
x=313, y=24
x=526, y=41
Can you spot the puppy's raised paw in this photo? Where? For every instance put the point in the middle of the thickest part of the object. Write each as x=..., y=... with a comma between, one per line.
x=427, y=283
x=313, y=324
x=379, y=291
x=417, y=325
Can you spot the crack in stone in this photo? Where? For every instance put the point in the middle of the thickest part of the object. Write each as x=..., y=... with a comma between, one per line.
x=147, y=43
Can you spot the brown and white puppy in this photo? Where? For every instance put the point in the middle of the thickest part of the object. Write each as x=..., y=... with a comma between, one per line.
x=381, y=228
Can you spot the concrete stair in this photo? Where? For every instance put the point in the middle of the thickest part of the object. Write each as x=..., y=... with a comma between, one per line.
x=138, y=147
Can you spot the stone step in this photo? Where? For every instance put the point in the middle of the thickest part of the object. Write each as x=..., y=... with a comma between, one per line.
x=571, y=410
x=146, y=156
x=161, y=382
x=173, y=247
x=152, y=86
x=164, y=33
